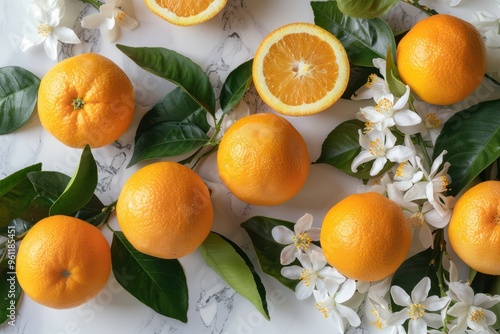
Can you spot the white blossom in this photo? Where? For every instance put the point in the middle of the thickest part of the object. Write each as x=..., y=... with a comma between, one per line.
x=407, y=172
x=418, y=308
x=314, y=274
x=433, y=118
x=297, y=241
x=375, y=87
x=380, y=147
x=46, y=17
x=387, y=113
x=226, y=120
x=471, y=310
x=109, y=20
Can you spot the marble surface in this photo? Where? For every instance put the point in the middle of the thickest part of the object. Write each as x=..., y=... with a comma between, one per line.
x=218, y=46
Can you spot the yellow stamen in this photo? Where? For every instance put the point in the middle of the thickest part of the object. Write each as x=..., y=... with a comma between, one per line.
x=431, y=121
x=368, y=127
x=477, y=315
x=379, y=323
x=416, y=219
x=326, y=306
x=416, y=311
x=119, y=15
x=400, y=171
x=44, y=29
x=308, y=276
x=377, y=148
x=371, y=78
x=301, y=241
x=384, y=106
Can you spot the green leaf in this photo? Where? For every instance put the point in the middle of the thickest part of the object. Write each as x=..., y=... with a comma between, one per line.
x=168, y=139
x=176, y=106
x=16, y=194
x=10, y=290
x=341, y=146
x=234, y=266
x=267, y=249
x=358, y=77
x=413, y=270
x=472, y=139
x=176, y=68
x=235, y=86
x=363, y=39
x=18, y=96
x=396, y=86
x=157, y=283
x=365, y=8
x=80, y=188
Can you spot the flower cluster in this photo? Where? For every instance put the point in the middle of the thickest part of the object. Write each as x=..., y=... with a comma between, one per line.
x=47, y=28
x=459, y=310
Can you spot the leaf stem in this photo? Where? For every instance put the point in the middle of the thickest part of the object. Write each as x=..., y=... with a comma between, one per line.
x=96, y=3
x=425, y=9
x=423, y=146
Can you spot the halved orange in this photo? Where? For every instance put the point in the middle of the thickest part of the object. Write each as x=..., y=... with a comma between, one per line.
x=300, y=69
x=186, y=12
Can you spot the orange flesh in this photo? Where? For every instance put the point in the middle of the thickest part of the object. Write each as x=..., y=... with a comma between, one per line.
x=282, y=67
x=185, y=8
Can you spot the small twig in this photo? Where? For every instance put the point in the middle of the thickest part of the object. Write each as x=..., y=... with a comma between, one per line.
x=96, y=3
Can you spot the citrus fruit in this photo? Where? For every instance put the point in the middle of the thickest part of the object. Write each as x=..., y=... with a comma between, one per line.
x=164, y=210
x=263, y=159
x=86, y=99
x=474, y=229
x=300, y=69
x=186, y=13
x=365, y=236
x=442, y=58
x=63, y=261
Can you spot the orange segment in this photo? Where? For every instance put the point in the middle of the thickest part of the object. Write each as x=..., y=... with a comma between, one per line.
x=186, y=13
x=300, y=69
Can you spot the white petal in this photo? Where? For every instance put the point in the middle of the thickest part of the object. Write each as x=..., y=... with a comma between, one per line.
x=421, y=290
x=303, y=291
x=435, y=303
x=31, y=40
x=125, y=21
x=363, y=157
x=398, y=318
x=292, y=272
x=458, y=310
x=50, y=46
x=349, y=314
x=314, y=233
x=416, y=192
x=108, y=10
x=346, y=291
x=303, y=224
x=463, y=292
x=377, y=166
x=485, y=301
x=417, y=326
x=425, y=236
x=399, y=153
x=93, y=21
x=390, y=138
x=282, y=235
x=400, y=296
x=288, y=254
x=66, y=35
x=318, y=260
x=407, y=118
x=331, y=273
x=381, y=64
x=403, y=100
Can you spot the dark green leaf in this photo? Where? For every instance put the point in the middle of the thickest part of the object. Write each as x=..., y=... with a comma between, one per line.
x=472, y=139
x=80, y=188
x=157, y=283
x=176, y=68
x=363, y=39
x=10, y=290
x=168, y=139
x=236, y=85
x=413, y=270
x=234, y=266
x=176, y=106
x=358, y=77
x=267, y=249
x=16, y=228
x=341, y=146
x=16, y=194
x=396, y=86
x=18, y=96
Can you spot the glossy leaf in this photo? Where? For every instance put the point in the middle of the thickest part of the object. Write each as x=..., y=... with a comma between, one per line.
x=176, y=68
x=413, y=270
x=235, y=86
x=396, y=86
x=267, y=249
x=236, y=269
x=10, y=290
x=80, y=188
x=16, y=194
x=176, y=106
x=49, y=184
x=157, y=283
x=168, y=139
x=341, y=146
x=18, y=96
x=363, y=39
x=472, y=139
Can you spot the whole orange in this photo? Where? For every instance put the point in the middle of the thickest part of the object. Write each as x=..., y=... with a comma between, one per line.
x=474, y=229
x=442, y=58
x=164, y=210
x=263, y=159
x=86, y=99
x=63, y=261
x=365, y=236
